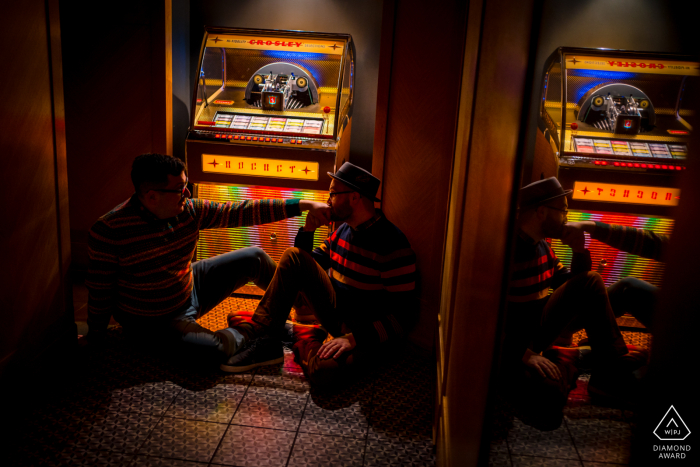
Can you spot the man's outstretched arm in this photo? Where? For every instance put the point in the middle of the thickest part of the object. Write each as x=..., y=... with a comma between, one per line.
x=640, y=242
x=214, y=215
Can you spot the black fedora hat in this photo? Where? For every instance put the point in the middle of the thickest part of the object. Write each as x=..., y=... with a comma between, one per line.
x=540, y=192
x=358, y=179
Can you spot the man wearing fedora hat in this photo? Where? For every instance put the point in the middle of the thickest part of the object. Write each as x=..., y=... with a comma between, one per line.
x=535, y=318
x=360, y=284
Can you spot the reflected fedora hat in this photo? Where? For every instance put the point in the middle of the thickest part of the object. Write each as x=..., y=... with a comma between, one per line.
x=540, y=192
x=358, y=179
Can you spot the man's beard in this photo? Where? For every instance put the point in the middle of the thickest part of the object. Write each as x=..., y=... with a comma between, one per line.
x=552, y=229
x=340, y=216
x=337, y=218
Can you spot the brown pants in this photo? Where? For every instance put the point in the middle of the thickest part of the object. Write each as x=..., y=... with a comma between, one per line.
x=582, y=303
x=297, y=272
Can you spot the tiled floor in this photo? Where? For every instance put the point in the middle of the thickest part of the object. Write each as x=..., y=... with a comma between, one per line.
x=590, y=436
x=143, y=408
x=140, y=408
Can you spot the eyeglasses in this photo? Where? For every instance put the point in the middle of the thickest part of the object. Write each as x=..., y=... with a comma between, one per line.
x=179, y=192
x=565, y=211
x=333, y=193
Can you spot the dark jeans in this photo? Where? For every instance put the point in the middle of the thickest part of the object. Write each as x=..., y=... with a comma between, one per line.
x=634, y=296
x=297, y=272
x=581, y=302
x=214, y=280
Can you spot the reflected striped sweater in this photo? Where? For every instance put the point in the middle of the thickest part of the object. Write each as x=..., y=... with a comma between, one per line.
x=141, y=265
x=373, y=272
x=644, y=243
x=536, y=268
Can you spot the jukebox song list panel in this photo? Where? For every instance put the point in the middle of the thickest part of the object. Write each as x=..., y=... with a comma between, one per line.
x=309, y=126
x=631, y=148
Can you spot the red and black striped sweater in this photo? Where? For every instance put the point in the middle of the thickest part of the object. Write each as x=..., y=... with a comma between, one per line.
x=373, y=272
x=141, y=265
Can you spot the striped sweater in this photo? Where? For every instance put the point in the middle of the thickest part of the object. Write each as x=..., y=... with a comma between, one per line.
x=141, y=265
x=644, y=243
x=536, y=269
x=373, y=272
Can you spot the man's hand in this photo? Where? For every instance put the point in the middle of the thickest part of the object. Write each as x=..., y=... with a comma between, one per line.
x=336, y=347
x=319, y=212
x=543, y=365
x=312, y=223
x=574, y=237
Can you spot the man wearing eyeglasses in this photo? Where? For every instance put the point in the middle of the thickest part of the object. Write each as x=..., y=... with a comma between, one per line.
x=359, y=283
x=141, y=252
x=535, y=318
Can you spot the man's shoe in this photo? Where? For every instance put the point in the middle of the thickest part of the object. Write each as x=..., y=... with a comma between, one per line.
x=259, y=352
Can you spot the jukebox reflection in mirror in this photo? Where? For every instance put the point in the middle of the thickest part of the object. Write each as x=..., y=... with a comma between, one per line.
x=613, y=128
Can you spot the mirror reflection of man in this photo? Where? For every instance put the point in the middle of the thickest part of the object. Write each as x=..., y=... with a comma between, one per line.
x=359, y=283
x=141, y=270
x=535, y=318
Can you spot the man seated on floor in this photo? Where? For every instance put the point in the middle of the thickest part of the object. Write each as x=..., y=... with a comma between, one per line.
x=141, y=252
x=628, y=295
x=541, y=381
x=367, y=302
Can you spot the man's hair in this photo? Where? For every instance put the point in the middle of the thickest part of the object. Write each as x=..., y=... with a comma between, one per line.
x=151, y=170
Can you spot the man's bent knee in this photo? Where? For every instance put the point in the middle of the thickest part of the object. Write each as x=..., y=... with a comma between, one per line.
x=294, y=257
x=590, y=279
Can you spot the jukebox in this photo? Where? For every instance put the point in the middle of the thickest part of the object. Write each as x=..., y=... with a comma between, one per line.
x=271, y=114
x=616, y=133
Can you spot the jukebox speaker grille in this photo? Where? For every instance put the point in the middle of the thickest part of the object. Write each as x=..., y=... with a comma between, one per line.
x=618, y=263
x=274, y=238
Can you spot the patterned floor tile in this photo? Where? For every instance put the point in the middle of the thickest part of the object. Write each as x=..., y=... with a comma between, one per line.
x=642, y=339
x=528, y=461
x=271, y=407
x=411, y=453
x=217, y=404
x=601, y=464
x=249, y=446
x=318, y=450
x=601, y=440
x=216, y=318
x=280, y=378
x=408, y=422
x=500, y=460
x=344, y=420
x=498, y=446
x=581, y=410
x=524, y=440
x=115, y=431
x=72, y=457
x=146, y=461
x=84, y=457
x=146, y=399
x=341, y=412
x=184, y=439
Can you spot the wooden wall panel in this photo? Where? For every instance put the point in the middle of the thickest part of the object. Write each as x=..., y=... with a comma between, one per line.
x=118, y=92
x=498, y=72
x=420, y=128
x=34, y=300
